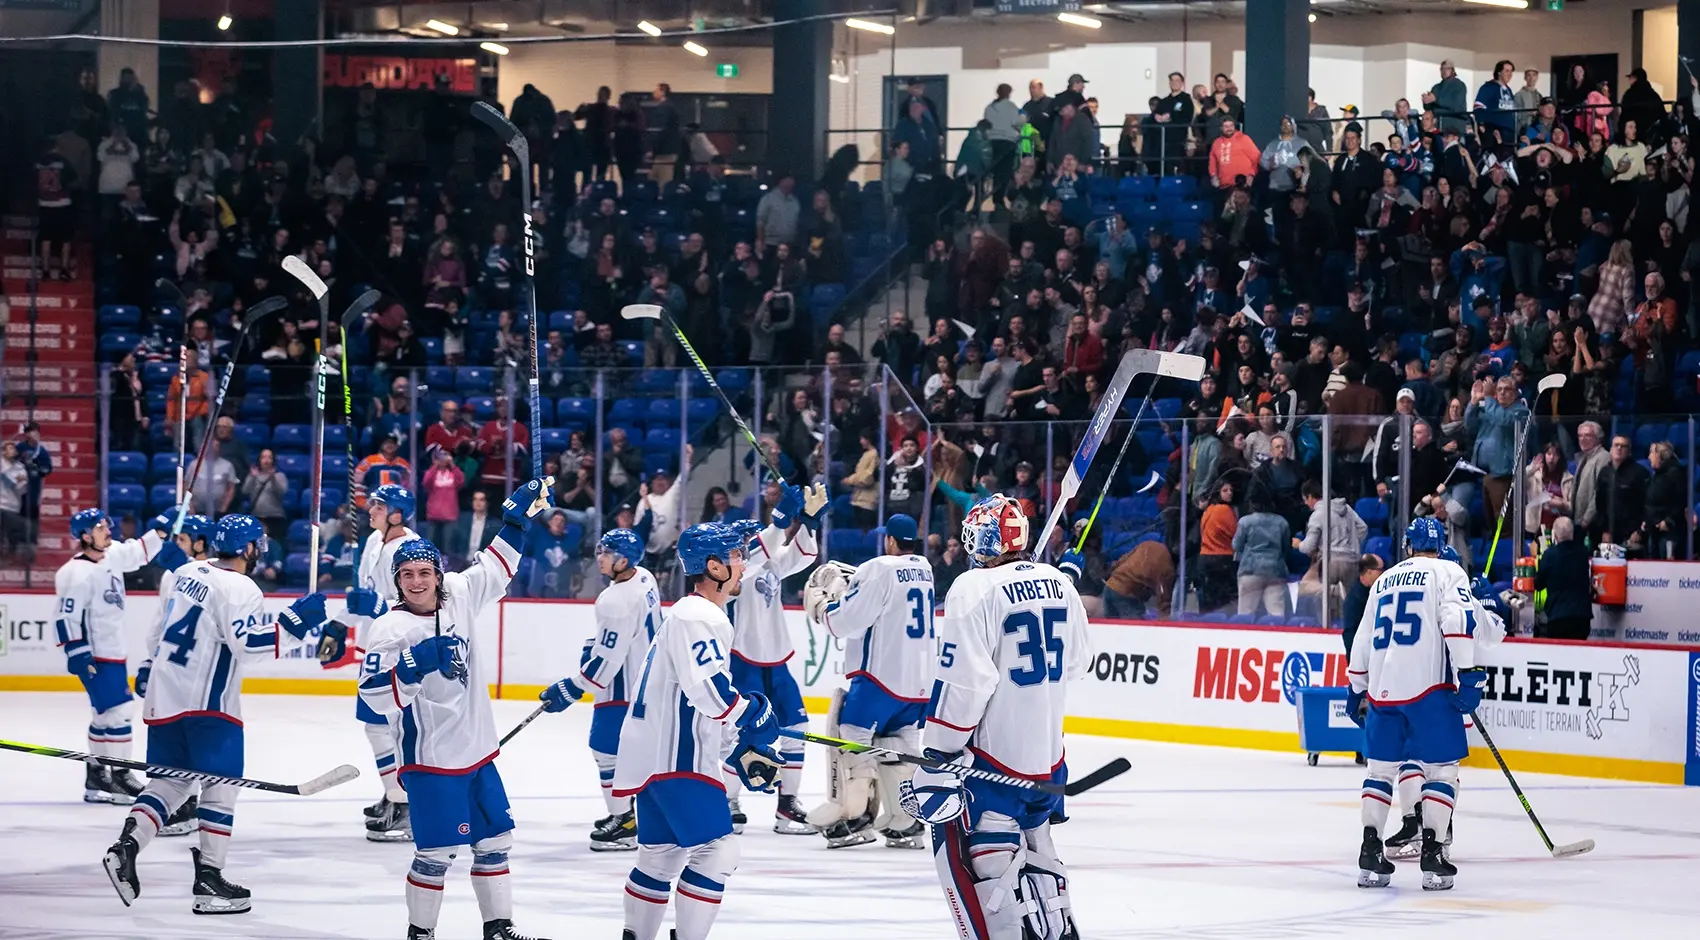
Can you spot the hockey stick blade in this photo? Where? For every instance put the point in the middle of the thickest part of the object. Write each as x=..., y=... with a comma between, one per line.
x=853, y=747
x=496, y=121
x=1574, y=848
x=358, y=309
x=339, y=775
x=1102, y=775
x=1548, y=384
x=335, y=777
x=641, y=312
x=169, y=286
x=298, y=269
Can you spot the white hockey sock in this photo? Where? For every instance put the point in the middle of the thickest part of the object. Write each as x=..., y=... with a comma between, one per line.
x=425, y=886
x=605, y=771
x=109, y=732
x=1376, y=800
x=791, y=775
x=645, y=902
x=1410, y=786
x=491, y=884
x=696, y=902
x=1438, y=799
x=216, y=813
x=155, y=804
x=383, y=754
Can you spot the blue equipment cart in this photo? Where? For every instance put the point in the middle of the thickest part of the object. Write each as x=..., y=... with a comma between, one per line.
x=1324, y=725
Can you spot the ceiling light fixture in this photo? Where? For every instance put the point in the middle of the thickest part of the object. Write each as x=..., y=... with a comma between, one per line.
x=648, y=27
x=447, y=29
x=870, y=26
x=695, y=49
x=224, y=22
x=498, y=27
x=1076, y=19
x=1508, y=4
x=495, y=47
x=1313, y=17
x=840, y=79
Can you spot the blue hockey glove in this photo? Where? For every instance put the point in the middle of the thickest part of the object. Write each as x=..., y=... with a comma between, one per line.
x=1468, y=698
x=790, y=503
x=303, y=615
x=1073, y=564
x=144, y=672
x=758, y=767
x=814, y=506
x=333, y=643
x=362, y=602
x=757, y=726
x=436, y=654
x=170, y=557
x=163, y=522
x=79, y=661
x=1482, y=588
x=934, y=795
x=1357, y=706
x=531, y=498
x=557, y=697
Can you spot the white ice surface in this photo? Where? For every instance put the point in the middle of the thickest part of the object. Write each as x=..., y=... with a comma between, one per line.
x=1193, y=843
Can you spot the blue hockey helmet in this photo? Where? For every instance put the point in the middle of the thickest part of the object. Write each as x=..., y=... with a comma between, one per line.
x=1448, y=553
x=397, y=498
x=84, y=521
x=416, y=550
x=1425, y=534
x=623, y=543
x=235, y=532
x=706, y=540
x=198, y=526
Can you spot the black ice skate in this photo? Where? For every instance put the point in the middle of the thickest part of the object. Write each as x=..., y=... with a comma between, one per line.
x=914, y=837
x=99, y=787
x=214, y=895
x=503, y=929
x=120, y=864
x=393, y=826
x=620, y=835
x=849, y=832
x=738, y=817
x=1374, y=870
x=1407, y=843
x=789, y=819
x=421, y=933
x=604, y=822
x=1437, y=871
x=183, y=821
x=378, y=809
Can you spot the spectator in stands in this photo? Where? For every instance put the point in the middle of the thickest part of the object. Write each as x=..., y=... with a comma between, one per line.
x=268, y=571
x=1447, y=99
x=505, y=445
x=475, y=530
x=197, y=406
x=1260, y=543
x=1620, y=499
x=1563, y=574
x=394, y=414
x=229, y=446
x=130, y=419
x=660, y=510
x=1215, y=562
x=452, y=435
x=38, y=465
x=1495, y=424
x=778, y=216
x=864, y=481
x=622, y=468
x=1547, y=480
x=549, y=549
x=15, y=543
x=214, y=485
x=440, y=484
x=1591, y=459
x=1346, y=533
x=385, y=466
x=905, y=478
x=1666, y=522
x=717, y=507
x=1005, y=119
x=264, y=493
x=1233, y=158
x=898, y=348
x=1642, y=104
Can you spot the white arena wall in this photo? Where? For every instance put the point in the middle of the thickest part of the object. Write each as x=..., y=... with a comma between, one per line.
x=1602, y=709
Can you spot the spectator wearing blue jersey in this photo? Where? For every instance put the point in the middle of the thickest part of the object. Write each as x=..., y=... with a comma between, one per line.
x=1496, y=105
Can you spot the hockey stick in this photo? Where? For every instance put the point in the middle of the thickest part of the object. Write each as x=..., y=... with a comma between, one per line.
x=492, y=118
x=334, y=777
x=1104, y=774
x=655, y=312
x=991, y=776
x=355, y=311
x=1550, y=383
x=535, y=714
x=258, y=312
x=298, y=269
x=170, y=287
x=1558, y=851
x=1134, y=362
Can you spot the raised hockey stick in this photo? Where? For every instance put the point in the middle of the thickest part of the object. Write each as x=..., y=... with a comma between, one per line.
x=655, y=312
x=1558, y=851
x=535, y=714
x=255, y=314
x=355, y=311
x=1548, y=384
x=298, y=269
x=1134, y=362
x=170, y=287
x=334, y=777
x=492, y=118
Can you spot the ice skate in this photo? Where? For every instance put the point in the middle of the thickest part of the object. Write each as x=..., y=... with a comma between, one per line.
x=378, y=809
x=620, y=835
x=183, y=821
x=1437, y=871
x=503, y=929
x=394, y=826
x=1374, y=870
x=1407, y=843
x=604, y=822
x=214, y=895
x=738, y=817
x=99, y=787
x=421, y=933
x=849, y=832
x=128, y=784
x=789, y=819
x=914, y=837
x=120, y=864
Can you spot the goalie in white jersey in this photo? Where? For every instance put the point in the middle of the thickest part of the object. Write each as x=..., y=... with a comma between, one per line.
x=884, y=613
x=1013, y=636
x=671, y=752
x=628, y=612
x=423, y=675
x=89, y=621
x=195, y=541
x=217, y=623
x=389, y=509
x=1413, y=680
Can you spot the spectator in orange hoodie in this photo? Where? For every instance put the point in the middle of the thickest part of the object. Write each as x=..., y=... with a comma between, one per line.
x=197, y=403
x=1232, y=155
x=1217, y=585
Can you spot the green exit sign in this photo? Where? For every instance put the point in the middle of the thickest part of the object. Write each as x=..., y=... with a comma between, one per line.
x=726, y=69
x=1555, y=4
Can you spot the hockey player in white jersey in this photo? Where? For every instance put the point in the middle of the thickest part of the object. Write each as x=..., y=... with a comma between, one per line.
x=217, y=624
x=1413, y=679
x=194, y=540
x=1013, y=636
x=628, y=612
x=884, y=613
x=389, y=509
x=89, y=621
x=424, y=675
x=761, y=642
x=671, y=757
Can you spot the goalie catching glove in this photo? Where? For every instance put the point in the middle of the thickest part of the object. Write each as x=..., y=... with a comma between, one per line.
x=826, y=586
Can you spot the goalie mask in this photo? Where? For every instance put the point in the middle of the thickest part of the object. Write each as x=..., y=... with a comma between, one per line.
x=995, y=527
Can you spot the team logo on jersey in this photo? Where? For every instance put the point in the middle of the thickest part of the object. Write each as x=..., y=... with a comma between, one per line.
x=460, y=659
x=465, y=829
x=114, y=596
x=767, y=585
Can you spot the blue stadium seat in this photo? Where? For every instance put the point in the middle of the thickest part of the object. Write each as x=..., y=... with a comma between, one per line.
x=433, y=350
x=473, y=379
x=158, y=374
x=295, y=438
x=634, y=351
x=126, y=499
x=483, y=407
x=825, y=300
x=1176, y=186
x=299, y=536
x=126, y=466
x=116, y=345
x=1167, y=408
x=119, y=317
x=660, y=461
x=626, y=411
x=254, y=435
x=1272, y=620
x=657, y=381
x=701, y=411
x=336, y=436
x=1381, y=546
x=258, y=376
x=162, y=496
x=156, y=406
x=1136, y=187
x=576, y=412
x=296, y=467
x=553, y=440
x=256, y=406
x=733, y=381
x=1649, y=434
x=843, y=514
x=335, y=466
x=562, y=320
x=665, y=440
x=164, y=465
x=296, y=567
x=440, y=378
x=662, y=412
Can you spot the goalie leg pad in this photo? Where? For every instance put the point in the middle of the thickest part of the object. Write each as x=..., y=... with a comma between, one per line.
x=891, y=775
x=980, y=870
x=1044, y=889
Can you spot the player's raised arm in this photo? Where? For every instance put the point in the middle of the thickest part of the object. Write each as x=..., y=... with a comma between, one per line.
x=487, y=580
x=789, y=542
x=844, y=599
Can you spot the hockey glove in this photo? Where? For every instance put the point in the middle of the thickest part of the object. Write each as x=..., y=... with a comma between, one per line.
x=1468, y=698
x=437, y=654
x=1073, y=564
x=758, y=727
x=530, y=499
x=303, y=615
x=790, y=503
x=557, y=697
x=362, y=602
x=758, y=767
x=1357, y=706
x=79, y=661
x=170, y=556
x=1482, y=588
x=333, y=644
x=143, y=673
x=814, y=506
x=934, y=795
x=163, y=522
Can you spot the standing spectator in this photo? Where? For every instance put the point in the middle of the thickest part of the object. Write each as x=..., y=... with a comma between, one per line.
x=1005, y=132
x=1495, y=422
x=1216, y=527
x=1143, y=576
x=548, y=547
x=229, y=446
x=1496, y=106
x=1615, y=297
x=1370, y=567
x=1563, y=574
x=213, y=481
x=38, y=465
x=1261, y=541
x=454, y=436
x=1641, y=102
x=15, y=543
x=1447, y=99
x=661, y=509
x=864, y=481
x=1346, y=534
x=1233, y=158
x=778, y=217
x=899, y=348
x=534, y=114
x=1591, y=459
x=905, y=478
x=598, y=118
x=130, y=418
x=264, y=488
x=385, y=466
x=502, y=462
x=476, y=529
x=1528, y=99
x=56, y=218
x=440, y=484
x=622, y=467
x=1667, y=511
x=667, y=141
x=1074, y=134
x=1352, y=408
x=129, y=104
x=1620, y=498
x=118, y=156
x=1317, y=128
